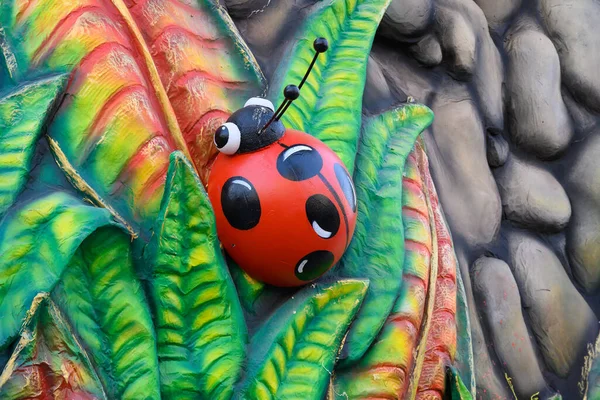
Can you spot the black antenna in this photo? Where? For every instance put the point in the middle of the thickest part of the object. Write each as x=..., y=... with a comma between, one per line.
x=292, y=92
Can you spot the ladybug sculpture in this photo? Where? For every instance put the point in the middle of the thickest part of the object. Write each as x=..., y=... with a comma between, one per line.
x=284, y=203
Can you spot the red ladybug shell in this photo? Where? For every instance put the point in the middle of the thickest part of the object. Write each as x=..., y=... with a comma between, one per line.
x=285, y=213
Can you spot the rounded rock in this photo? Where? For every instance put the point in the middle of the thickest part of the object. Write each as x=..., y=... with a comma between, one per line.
x=583, y=233
x=571, y=25
x=459, y=166
x=472, y=55
x=427, y=51
x=532, y=197
x=499, y=299
x=561, y=320
x=406, y=18
x=539, y=120
x=498, y=11
x=460, y=44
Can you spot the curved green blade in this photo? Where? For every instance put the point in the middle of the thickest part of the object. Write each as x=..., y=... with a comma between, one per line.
x=377, y=249
x=23, y=113
x=330, y=104
x=37, y=241
x=103, y=301
x=456, y=389
x=48, y=360
x=293, y=354
x=200, y=326
x=385, y=370
x=464, y=352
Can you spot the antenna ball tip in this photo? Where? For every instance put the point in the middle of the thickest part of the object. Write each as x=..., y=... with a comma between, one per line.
x=291, y=92
x=321, y=45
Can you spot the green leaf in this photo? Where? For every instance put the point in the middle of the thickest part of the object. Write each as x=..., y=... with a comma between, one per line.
x=200, y=326
x=377, y=249
x=385, y=370
x=330, y=105
x=23, y=114
x=456, y=388
x=146, y=78
x=37, y=241
x=48, y=362
x=292, y=356
x=103, y=301
x=464, y=347
x=249, y=289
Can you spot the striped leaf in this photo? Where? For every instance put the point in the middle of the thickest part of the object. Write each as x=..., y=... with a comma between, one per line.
x=463, y=361
x=385, y=369
x=200, y=326
x=377, y=249
x=144, y=81
x=249, y=289
x=37, y=241
x=103, y=301
x=48, y=362
x=207, y=70
x=293, y=354
x=23, y=113
x=457, y=389
x=330, y=105
x=440, y=329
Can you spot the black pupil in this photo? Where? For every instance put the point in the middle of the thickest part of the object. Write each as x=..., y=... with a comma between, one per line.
x=221, y=136
x=299, y=162
x=322, y=211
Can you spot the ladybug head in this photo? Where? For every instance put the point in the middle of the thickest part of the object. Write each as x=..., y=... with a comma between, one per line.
x=257, y=124
x=246, y=129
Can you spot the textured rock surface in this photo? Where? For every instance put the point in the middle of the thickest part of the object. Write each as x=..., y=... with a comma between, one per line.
x=573, y=27
x=550, y=300
x=497, y=151
x=539, y=121
x=427, y=51
x=459, y=160
x=406, y=18
x=583, y=233
x=532, y=197
x=498, y=11
x=471, y=53
x=500, y=302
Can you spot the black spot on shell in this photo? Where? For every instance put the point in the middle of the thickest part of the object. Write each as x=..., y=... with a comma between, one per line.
x=314, y=265
x=299, y=162
x=346, y=184
x=323, y=216
x=240, y=203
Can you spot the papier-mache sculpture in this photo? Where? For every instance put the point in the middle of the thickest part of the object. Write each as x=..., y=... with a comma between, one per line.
x=167, y=232
x=285, y=204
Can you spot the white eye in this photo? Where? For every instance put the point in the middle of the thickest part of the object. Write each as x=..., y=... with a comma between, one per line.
x=259, y=101
x=227, y=138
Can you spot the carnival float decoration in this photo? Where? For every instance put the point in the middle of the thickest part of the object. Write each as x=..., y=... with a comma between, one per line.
x=139, y=149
